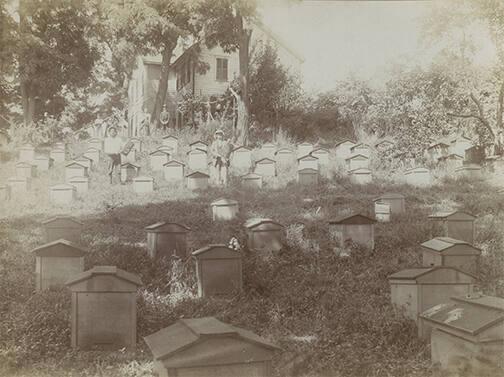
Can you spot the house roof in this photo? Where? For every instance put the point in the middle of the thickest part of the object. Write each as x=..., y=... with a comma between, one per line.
x=447, y=214
x=105, y=270
x=279, y=40
x=443, y=243
x=61, y=218
x=466, y=315
x=224, y=202
x=185, y=332
x=164, y=224
x=355, y=218
x=73, y=248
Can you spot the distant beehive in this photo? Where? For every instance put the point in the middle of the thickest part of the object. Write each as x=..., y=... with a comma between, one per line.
x=304, y=148
x=81, y=184
x=361, y=176
x=264, y=235
x=382, y=212
x=129, y=171
x=95, y=143
x=471, y=171
x=224, y=209
x=19, y=185
x=308, y=162
x=199, y=145
x=361, y=149
x=265, y=167
x=26, y=153
x=62, y=227
x=173, y=170
x=356, y=228
x=445, y=251
x=308, y=177
x=197, y=180
x=357, y=161
x=241, y=158
x=420, y=177
x=86, y=161
x=197, y=159
x=268, y=149
x=342, y=148
x=252, y=180
x=171, y=142
x=58, y=155
x=396, y=202
x=104, y=308
x=284, y=156
x=43, y=163
x=143, y=184
x=167, y=239
x=56, y=262
x=25, y=169
x=454, y=224
x=322, y=154
x=93, y=154
x=74, y=169
x=183, y=349
x=219, y=271
x=158, y=159
x=137, y=144
x=62, y=194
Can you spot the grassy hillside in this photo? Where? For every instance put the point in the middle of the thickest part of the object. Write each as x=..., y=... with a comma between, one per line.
x=330, y=314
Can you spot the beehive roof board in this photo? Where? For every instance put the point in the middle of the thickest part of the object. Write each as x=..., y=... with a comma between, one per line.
x=182, y=336
x=174, y=163
x=62, y=221
x=159, y=152
x=260, y=224
x=452, y=215
x=357, y=156
x=224, y=202
x=437, y=274
x=468, y=315
x=197, y=174
x=308, y=157
x=170, y=137
x=59, y=248
x=344, y=141
x=216, y=251
x=167, y=227
x=355, y=219
x=389, y=195
x=133, y=280
x=450, y=246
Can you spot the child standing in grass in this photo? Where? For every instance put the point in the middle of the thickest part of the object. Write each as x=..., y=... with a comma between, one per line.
x=112, y=147
x=220, y=150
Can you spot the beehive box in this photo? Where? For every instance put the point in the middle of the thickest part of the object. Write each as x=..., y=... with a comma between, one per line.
x=26, y=170
x=308, y=162
x=143, y=184
x=471, y=171
x=42, y=163
x=171, y=142
x=361, y=176
x=356, y=228
x=74, y=169
x=358, y=161
x=395, y=201
x=62, y=194
x=362, y=149
x=103, y=312
x=467, y=335
x=342, y=148
x=445, y=251
x=95, y=143
x=224, y=209
x=83, y=160
x=167, y=239
x=415, y=290
x=158, y=159
x=56, y=262
x=268, y=149
x=199, y=145
x=265, y=167
x=58, y=155
x=26, y=153
x=81, y=185
x=420, y=177
x=382, y=212
x=4, y=192
x=450, y=163
x=197, y=180
x=264, y=235
x=308, y=177
x=384, y=144
x=322, y=154
x=304, y=148
x=437, y=150
x=62, y=227
x=183, y=349
x=252, y=180
x=284, y=156
x=137, y=143
x=93, y=154
x=129, y=171
x=19, y=185
x=219, y=271
x=173, y=170
x=241, y=158
x=454, y=224
x=197, y=159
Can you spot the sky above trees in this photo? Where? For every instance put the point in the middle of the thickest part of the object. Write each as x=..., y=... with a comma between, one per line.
x=361, y=38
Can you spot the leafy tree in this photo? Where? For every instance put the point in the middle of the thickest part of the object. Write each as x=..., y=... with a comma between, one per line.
x=8, y=43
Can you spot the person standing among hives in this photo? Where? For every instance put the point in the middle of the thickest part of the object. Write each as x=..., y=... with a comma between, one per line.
x=164, y=118
x=220, y=150
x=113, y=147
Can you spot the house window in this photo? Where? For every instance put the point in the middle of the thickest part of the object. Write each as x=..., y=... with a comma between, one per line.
x=222, y=69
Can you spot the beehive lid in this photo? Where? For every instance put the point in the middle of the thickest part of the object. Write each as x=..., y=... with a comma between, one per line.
x=44, y=158
x=452, y=156
x=158, y=152
x=320, y=150
x=360, y=171
x=465, y=316
x=94, y=139
x=308, y=157
x=197, y=151
x=353, y=219
x=27, y=147
x=219, y=251
x=490, y=302
x=167, y=227
x=308, y=171
x=265, y=160
x=305, y=144
x=17, y=179
x=452, y=215
x=359, y=156
x=440, y=143
x=197, y=174
x=344, y=141
x=105, y=270
x=62, y=221
x=411, y=273
x=441, y=244
x=460, y=138
x=62, y=187
x=129, y=165
x=143, y=178
x=83, y=158
x=284, y=150
x=174, y=163
x=224, y=202
x=386, y=141
x=66, y=249
x=185, y=332
x=198, y=142
x=57, y=149
x=468, y=167
x=389, y=195
x=242, y=148
x=170, y=137
x=75, y=164
x=23, y=164
x=165, y=148
x=79, y=179
x=268, y=145
x=265, y=222
x=251, y=176
x=360, y=145
x=417, y=170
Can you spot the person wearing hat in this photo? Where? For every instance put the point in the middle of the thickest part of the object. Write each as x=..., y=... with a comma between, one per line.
x=112, y=147
x=220, y=150
x=164, y=118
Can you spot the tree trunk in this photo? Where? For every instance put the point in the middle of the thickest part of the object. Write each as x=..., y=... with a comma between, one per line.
x=163, y=83
x=27, y=95
x=243, y=102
